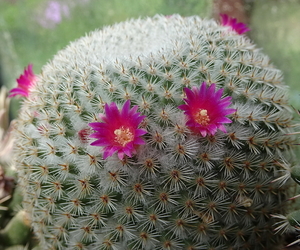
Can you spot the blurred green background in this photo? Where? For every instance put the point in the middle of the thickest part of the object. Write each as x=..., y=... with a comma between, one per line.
x=32, y=31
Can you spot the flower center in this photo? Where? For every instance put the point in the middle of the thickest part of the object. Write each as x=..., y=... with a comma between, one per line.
x=202, y=117
x=123, y=136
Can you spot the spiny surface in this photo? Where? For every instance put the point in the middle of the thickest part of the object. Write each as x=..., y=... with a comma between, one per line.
x=180, y=190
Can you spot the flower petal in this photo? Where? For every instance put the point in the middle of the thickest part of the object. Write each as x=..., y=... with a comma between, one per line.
x=205, y=109
x=118, y=131
x=240, y=28
x=25, y=82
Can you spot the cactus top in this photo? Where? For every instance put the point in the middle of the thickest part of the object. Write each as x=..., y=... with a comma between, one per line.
x=193, y=127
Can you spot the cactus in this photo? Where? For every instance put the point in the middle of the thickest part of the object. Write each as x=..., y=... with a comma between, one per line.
x=111, y=154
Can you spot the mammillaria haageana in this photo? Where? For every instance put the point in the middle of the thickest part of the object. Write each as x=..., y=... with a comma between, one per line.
x=157, y=133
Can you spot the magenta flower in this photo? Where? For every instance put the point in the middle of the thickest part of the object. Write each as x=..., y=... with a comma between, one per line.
x=25, y=82
x=119, y=130
x=206, y=110
x=240, y=28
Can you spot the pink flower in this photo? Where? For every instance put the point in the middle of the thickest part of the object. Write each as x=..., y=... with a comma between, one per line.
x=119, y=130
x=206, y=110
x=240, y=28
x=25, y=82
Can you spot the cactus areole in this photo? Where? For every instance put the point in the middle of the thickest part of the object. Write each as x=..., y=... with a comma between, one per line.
x=156, y=133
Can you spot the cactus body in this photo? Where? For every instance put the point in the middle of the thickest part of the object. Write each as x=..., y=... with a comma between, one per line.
x=180, y=190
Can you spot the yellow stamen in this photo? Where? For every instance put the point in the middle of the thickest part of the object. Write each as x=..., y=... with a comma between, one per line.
x=202, y=117
x=123, y=136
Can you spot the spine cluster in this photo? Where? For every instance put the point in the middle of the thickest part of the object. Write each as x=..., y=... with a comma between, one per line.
x=178, y=189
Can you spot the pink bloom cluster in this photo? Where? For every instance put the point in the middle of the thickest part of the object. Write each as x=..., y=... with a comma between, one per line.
x=25, y=82
x=206, y=110
x=240, y=28
x=119, y=130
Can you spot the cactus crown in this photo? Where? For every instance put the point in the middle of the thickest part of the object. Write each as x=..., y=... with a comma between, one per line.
x=175, y=188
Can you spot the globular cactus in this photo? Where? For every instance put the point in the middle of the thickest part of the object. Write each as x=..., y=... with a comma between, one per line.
x=157, y=133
